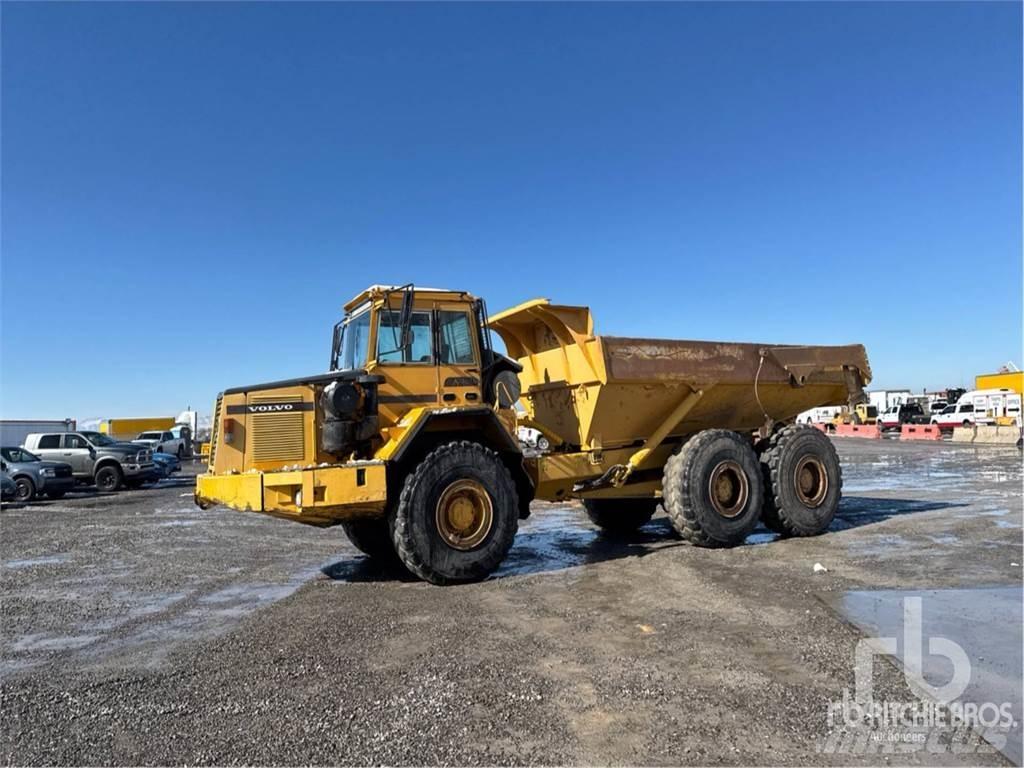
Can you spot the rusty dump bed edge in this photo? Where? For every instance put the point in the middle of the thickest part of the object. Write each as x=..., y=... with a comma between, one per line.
x=644, y=360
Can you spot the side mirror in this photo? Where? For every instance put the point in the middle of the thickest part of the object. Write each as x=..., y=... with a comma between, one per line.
x=406, y=320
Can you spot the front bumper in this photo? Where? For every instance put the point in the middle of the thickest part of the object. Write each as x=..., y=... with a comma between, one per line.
x=140, y=471
x=318, y=496
x=57, y=484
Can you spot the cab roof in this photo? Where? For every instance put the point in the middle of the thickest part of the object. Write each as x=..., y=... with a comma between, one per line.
x=378, y=291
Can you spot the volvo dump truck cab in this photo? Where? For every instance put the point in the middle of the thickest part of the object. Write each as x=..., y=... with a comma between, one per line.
x=409, y=440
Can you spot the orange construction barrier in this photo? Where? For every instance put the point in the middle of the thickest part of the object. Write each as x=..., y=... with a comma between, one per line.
x=920, y=432
x=872, y=431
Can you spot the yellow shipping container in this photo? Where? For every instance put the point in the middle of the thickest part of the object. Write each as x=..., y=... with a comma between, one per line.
x=129, y=429
x=1013, y=380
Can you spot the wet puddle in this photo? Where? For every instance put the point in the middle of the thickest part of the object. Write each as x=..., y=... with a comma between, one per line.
x=986, y=623
x=561, y=538
x=939, y=468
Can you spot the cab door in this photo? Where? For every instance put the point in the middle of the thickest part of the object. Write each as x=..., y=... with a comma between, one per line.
x=458, y=355
x=410, y=376
x=78, y=453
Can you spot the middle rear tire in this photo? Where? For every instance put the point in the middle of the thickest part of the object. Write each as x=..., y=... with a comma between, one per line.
x=713, y=489
x=620, y=516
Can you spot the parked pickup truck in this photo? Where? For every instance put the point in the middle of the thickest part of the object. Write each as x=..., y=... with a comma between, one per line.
x=95, y=458
x=959, y=415
x=904, y=413
x=162, y=440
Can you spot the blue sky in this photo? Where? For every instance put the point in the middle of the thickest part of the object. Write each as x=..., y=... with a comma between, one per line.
x=191, y=192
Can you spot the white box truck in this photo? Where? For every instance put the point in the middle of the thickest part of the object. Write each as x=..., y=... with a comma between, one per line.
x=14, y=431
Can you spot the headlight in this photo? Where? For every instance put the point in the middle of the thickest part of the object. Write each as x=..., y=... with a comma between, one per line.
x=47, y=472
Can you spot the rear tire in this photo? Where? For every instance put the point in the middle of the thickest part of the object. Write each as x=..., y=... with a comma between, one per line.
x=371, y=537
x=620, y=516
x=108, y=478
x=803, y=482
x=25, y=489
x=713, y=489
x=456, y=516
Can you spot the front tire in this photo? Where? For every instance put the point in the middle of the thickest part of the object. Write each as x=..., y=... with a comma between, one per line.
x=108, y=478
x=620, y=516
x=713, y=489
x=371, y=537
x=803, y=482
x=25, y=489
x=456, y=516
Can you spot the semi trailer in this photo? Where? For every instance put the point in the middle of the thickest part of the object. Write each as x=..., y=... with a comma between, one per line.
x=409, y=440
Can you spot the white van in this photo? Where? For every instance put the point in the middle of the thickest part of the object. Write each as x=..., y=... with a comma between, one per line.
x=980, y=406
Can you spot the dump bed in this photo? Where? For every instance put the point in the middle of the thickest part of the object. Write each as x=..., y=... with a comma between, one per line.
x=593, y=392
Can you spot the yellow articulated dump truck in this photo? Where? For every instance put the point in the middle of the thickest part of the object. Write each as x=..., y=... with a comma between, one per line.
x=409, y=441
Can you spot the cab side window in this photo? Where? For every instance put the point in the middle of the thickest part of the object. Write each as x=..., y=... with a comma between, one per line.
x=389, y=333
x=75, y=441
x=455, y=337
x=49, y=441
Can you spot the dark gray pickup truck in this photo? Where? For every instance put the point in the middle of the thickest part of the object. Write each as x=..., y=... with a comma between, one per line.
x=96, y=458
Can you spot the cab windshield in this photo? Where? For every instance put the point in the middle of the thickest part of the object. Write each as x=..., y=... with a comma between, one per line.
x=18, y=455
x=355, y=341
x=97, y=438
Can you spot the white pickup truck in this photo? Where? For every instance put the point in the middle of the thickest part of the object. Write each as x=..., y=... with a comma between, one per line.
x=164, y=441
x=959, y=415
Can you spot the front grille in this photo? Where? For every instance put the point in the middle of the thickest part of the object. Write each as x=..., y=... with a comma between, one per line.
x=280, y=435
x=63, y=472
x=215, y=431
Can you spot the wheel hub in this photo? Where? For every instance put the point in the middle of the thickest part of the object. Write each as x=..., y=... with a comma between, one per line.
x=810, y=481
x=465, y=514
x=728, y=488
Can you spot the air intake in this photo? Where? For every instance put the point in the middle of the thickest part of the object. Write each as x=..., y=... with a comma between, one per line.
x=277, y=435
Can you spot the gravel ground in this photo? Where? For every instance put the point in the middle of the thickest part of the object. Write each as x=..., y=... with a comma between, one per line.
x=139, y=629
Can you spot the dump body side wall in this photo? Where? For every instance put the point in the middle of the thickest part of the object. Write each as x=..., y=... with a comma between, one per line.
x=599, y=392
